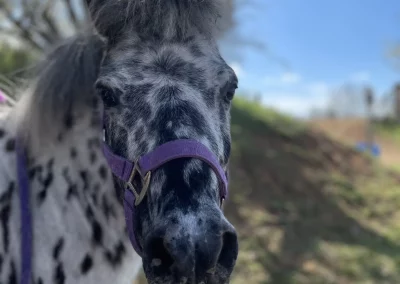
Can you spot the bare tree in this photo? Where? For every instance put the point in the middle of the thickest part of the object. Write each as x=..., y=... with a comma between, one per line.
x=347, y=101
x=38, y=24
x=41, y=23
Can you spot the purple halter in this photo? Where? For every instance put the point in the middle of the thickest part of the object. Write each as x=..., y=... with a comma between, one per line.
x=126, y=171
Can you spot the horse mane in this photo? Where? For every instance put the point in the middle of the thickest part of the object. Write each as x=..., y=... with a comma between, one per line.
x=62, y=86
x=167, y=18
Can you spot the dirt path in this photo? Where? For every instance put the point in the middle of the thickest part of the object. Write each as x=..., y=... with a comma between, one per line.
x=352, y=131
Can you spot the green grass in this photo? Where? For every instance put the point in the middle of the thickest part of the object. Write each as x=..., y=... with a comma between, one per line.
x=388, y=128
x=255, y=116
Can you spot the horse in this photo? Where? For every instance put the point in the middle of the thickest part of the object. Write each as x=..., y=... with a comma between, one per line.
x=120, y=142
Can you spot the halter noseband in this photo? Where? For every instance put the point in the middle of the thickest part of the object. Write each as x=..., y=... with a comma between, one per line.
x=127, y=171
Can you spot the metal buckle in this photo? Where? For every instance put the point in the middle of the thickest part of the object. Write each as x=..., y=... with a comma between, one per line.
x=145, y=183
x=222, y=202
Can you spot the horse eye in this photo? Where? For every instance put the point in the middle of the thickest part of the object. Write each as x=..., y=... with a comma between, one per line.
x=107, y=94
x=231, y=92
x=230, y=95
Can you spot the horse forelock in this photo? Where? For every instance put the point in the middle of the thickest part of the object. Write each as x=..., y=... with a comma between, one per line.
x=165, y=18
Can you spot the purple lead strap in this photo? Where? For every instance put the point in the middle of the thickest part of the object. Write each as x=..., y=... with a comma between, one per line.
x=26, y=221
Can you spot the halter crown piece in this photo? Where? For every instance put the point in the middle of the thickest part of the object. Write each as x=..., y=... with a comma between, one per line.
x=126, y=171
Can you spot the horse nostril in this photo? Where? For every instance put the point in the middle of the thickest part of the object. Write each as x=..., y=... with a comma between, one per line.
x=229, y=251
x=170, y=254
x=158, y=254
x=183, y=255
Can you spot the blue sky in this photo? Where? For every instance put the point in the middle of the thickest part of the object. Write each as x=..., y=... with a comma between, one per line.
x=313, y=48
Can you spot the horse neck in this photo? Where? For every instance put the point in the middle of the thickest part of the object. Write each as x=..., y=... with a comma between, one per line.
x=73, y=199
x=73, y=168
x=70, y=175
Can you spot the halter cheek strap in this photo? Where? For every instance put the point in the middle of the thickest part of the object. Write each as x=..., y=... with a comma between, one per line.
x=127, y=171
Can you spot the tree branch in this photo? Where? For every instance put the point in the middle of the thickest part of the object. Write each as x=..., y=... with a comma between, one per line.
x=24, y=32
x=48, y=19
x=72, y=14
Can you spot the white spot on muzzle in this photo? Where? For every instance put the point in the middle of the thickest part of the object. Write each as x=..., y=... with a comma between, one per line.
x=156, y=262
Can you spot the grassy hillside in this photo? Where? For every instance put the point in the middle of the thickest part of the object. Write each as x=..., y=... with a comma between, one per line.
x=389, y=128
x=308, y=209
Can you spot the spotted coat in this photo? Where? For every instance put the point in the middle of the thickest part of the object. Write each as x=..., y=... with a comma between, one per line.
x=78, y=225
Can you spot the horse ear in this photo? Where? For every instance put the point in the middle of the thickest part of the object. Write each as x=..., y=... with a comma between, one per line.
x=107, y=16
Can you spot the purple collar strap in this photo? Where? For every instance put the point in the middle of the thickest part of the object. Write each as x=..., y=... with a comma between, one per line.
x=127, y=171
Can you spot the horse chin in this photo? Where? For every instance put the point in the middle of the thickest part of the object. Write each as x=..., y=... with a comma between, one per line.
x=184, y=280
x=220, y=276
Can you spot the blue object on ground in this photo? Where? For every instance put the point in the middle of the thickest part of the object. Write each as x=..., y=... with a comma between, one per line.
x=375, y=150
